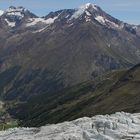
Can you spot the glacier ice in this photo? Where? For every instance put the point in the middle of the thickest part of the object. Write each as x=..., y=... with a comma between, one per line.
x=118, y=126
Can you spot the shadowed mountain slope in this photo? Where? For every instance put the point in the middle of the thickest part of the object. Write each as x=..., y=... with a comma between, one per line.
x=116, y=91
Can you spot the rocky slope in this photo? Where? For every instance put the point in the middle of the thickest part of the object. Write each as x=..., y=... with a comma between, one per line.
x=118, y=126
x=138, y=30
x=62, y=49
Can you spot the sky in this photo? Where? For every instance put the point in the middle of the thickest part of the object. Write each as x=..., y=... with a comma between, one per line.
x=125, y=10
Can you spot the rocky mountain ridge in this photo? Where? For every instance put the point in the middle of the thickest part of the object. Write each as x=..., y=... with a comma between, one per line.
x=88, y=12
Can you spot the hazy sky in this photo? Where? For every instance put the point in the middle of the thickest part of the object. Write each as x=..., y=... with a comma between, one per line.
x=126, y=10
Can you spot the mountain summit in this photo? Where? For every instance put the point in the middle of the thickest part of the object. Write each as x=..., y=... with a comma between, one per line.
x=93, y=13
x=13, y=16
x=85, y=9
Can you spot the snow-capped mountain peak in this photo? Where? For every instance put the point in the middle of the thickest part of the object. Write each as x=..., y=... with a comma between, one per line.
x=15, y=12
x=88, y=5
x=20, y=16
x=92, y=13
x=84, y=9
x=14, y=15
x=18, y=12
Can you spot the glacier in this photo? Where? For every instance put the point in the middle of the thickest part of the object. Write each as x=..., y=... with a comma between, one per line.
x=118, y=126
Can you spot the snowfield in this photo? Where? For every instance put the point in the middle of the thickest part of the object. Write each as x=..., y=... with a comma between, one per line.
x=118, y=126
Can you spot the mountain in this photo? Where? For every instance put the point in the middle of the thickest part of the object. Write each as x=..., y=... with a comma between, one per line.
x=62, y=49
x=58, y=57
x=117, y=126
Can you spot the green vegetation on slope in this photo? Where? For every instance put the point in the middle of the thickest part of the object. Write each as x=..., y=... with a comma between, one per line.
x=7, y=125
x=6, y=121
x=68, y=104
x=8, y=76
x=116, y=91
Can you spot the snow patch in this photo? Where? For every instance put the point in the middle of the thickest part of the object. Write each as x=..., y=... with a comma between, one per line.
x=87, y=19
x=87, y=13
x=1, y=12
x=77, y=14
x=86, y=6
x=107, y=22
x=34, y=21
x=67, y=16
x=83, y=9
x=135, y=27
x=108, y=127
x=50, y=20
x=100, y=19
x=40, y=30
x=11, y=24
x=112, y=24
x=16, y=9
x=17, y=14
